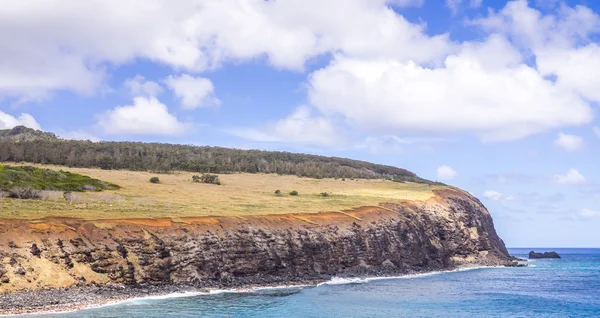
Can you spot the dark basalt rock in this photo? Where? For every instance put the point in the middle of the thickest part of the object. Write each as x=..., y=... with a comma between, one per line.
x=534, y=255
x=452, y=230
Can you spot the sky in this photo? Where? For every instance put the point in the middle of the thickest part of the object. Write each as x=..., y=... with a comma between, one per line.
x=498, y=98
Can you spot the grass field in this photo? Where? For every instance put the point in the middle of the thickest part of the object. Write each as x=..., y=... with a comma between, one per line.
x=240, y=194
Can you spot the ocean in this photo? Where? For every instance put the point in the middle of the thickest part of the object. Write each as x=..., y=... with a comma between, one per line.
x=568, y=287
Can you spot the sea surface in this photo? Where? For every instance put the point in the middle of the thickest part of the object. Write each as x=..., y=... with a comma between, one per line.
x=569, y=287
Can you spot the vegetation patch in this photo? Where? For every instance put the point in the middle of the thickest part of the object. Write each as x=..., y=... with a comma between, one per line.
x=154, y=180
x=207, y=178
x=26, y=181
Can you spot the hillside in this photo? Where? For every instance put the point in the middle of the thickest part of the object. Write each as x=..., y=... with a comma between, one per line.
x=176, y=196
x=26, y=145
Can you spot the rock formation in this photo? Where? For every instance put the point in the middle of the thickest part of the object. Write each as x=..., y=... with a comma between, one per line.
x=534, y=255
x=450, y=230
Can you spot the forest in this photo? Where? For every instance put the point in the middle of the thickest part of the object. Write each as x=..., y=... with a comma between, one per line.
x=27, y=145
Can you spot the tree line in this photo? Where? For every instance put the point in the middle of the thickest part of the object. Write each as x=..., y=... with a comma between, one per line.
x=161, y=157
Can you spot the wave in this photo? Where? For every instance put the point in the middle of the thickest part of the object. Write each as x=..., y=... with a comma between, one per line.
x=356, y=280
x=254, y=289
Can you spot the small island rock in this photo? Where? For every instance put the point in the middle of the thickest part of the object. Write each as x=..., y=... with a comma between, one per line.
x=533, y=255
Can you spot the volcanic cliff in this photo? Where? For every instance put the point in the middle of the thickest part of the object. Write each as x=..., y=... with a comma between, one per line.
x=452, y=229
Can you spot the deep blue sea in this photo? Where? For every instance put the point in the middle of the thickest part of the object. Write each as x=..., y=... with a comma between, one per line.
x=569, y=287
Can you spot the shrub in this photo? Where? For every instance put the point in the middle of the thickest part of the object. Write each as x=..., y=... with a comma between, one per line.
x=154, y=180
x=293, y=192
x=277, y=192
x=324, y=194
x=24, y=193
x=196, y=178
x=210, y=178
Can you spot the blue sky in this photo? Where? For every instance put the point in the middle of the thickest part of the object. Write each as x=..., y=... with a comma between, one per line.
x=498, y=98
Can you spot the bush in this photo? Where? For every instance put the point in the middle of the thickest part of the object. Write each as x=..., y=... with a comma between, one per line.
x=277, y=192
x=196, y=178
x=24, y=193
x=324, y=194
x=210, y=178
x=154, y=180
x=293, y=192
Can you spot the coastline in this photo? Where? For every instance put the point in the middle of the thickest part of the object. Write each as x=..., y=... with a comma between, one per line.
x=112, y=296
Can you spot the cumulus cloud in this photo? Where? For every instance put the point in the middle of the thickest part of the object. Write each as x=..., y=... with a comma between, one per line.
x=139, y=86
x=569, y=142
x=146, y=116
x=194, y=92
x=446, y=173
x=497, y=196
x=573, y=177
x=300, y=127
x=597, y=131
x=8, y=121
x=43, y=53
x=388, y=76
x=467, y=94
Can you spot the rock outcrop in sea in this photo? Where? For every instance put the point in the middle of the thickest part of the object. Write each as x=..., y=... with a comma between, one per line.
x=56, y=255
x=534, y=255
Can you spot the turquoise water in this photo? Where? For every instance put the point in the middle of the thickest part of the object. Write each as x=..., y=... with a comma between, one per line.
x=569, y=287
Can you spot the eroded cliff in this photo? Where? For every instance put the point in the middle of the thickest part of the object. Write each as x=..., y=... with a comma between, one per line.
x=449, y=230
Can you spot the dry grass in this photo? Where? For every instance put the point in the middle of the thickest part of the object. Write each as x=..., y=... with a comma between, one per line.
x=177, y=196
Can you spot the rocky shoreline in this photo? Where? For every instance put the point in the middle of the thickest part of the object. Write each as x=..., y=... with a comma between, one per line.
x=69, y=264
x=89, y=297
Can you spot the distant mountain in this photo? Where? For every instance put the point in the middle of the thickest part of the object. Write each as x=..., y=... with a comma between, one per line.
x=22, y=133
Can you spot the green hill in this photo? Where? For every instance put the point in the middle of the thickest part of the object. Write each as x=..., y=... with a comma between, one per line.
x=27, y=145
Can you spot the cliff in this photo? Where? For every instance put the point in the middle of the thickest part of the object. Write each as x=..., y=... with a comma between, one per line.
x=452, y=229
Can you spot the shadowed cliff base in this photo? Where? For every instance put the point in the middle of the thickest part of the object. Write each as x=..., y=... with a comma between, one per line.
x=451, y=229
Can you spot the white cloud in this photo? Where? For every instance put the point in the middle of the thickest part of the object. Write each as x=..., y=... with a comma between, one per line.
x=446, y=173
x=78, y=135
x=597, y=131
x=573, y=177
x=388, y=75
x=587, y=213
x=147, y=116
x=8, y=121
x=466, y=95
x=395, y=144
x=55, y=45
x=497, y=196
x=139, y=86
x=568, y=142
x=300, y=127
x=194, y=92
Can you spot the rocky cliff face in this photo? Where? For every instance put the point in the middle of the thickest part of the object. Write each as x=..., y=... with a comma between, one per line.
x=450, y=230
